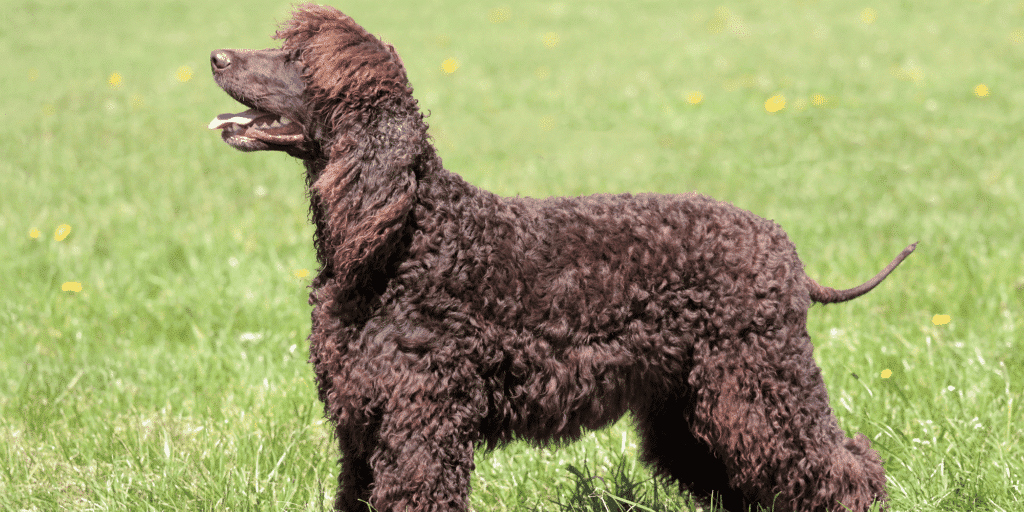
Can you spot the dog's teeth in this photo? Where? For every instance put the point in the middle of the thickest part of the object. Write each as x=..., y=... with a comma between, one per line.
x=285, y=120
x=275, y=124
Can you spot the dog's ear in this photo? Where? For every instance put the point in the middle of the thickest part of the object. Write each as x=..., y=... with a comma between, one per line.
x=364, y=196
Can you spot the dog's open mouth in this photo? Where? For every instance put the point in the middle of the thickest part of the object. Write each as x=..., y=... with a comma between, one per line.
x=255, y=130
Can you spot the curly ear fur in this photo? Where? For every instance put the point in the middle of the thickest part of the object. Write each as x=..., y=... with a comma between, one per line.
x=346, y=69
x=362, y=194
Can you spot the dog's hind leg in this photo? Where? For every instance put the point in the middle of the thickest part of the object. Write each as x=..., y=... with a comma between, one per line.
x=763, y=410
x=675, y=454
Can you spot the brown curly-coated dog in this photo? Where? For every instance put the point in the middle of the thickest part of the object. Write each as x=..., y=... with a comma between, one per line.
x=446, y=317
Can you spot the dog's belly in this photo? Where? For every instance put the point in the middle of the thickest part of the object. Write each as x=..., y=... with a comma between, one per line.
x=552, y=389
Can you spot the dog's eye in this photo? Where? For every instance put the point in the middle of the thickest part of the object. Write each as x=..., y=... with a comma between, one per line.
x=294, y=56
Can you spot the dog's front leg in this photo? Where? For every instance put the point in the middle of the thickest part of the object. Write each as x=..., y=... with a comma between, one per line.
x=356, y=477
x=425, y=454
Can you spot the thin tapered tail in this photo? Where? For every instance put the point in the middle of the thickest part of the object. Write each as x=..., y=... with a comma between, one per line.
x=826, y=295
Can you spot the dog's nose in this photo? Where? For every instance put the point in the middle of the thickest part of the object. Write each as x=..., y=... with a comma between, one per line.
x=220, y=59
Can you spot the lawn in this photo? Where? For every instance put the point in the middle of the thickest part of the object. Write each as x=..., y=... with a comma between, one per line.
x=153, y=280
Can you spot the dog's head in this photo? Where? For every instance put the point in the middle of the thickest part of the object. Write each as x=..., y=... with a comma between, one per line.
x=270, y=83
x=329, y=77
x=337, y=97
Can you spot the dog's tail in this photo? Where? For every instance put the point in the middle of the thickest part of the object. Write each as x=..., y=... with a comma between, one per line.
x=826, y=295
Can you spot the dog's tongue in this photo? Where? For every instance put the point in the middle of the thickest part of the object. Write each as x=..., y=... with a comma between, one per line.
x=241, y=118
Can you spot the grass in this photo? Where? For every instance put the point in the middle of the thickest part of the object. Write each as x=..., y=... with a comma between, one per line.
x=176, y=378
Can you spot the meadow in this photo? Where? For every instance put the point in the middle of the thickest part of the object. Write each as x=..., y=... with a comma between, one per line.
x=153, y=281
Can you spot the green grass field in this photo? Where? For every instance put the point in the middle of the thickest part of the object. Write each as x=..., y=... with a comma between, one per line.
x=175, y=378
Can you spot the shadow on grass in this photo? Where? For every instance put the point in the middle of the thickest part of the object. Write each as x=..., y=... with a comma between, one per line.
x=620, y=491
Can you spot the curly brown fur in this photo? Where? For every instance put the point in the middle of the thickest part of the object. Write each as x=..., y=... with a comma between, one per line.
x=446, y=317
